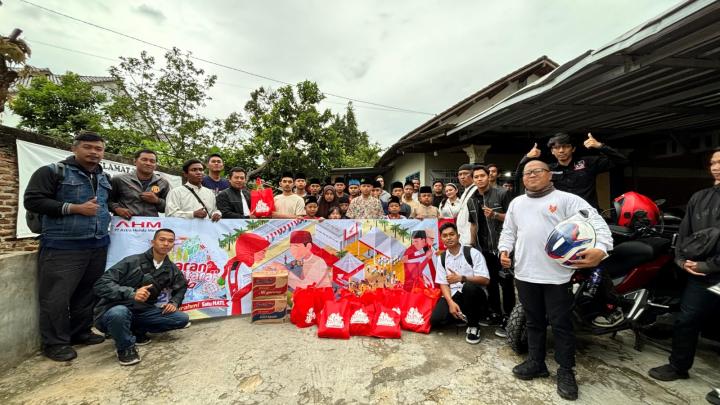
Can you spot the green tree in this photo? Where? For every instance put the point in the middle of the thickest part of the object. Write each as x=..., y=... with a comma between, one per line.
x=161, y=107
x=356, y=148
x=58, y=110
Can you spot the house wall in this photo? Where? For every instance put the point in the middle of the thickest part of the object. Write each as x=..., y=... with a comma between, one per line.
x=404, y=166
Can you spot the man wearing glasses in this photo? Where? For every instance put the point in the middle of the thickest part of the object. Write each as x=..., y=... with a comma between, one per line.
x=577, y=176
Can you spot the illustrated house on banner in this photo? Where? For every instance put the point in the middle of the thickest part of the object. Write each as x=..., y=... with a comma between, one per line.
x=379, y=243
x=346, y=269
x=337, y=234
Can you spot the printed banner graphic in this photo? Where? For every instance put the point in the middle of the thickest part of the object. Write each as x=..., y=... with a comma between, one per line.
x=32, y=156
x=218, y=259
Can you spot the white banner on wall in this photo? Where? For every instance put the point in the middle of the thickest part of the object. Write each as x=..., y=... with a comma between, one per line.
x=31, y=156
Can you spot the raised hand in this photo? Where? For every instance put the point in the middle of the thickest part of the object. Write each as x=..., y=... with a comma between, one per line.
x=591, y=142
x=88, y=208
x=534, y=152
x=143, y=293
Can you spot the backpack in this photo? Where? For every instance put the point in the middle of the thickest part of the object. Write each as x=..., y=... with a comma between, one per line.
x=466, y=253
x=33, y=219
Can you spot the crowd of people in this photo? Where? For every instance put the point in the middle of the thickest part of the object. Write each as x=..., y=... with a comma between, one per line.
x=488, y=231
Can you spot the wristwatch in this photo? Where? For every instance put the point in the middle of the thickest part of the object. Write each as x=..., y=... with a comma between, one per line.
x=463, y=279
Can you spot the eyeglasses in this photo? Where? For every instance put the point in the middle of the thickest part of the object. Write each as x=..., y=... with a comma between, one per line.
x=534, y=172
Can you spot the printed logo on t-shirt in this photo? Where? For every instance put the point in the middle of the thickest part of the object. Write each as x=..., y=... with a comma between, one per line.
x=552, y=208
x=580, y=165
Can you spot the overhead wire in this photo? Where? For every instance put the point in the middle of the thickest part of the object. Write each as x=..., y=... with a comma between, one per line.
x=222, y=65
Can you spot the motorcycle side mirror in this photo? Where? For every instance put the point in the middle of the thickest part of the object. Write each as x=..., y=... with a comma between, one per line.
x=660, y=202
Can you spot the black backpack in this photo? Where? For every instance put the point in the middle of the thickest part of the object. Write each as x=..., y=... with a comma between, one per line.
x=33, y=219
x=466, y=253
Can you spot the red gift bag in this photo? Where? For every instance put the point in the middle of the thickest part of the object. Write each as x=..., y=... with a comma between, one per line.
x=394, y=298
x=387, y=323
x=262, y=201
x=303, y=312
x=419, y=306
x=320, y=296
x=361, y=316
x=333, y=321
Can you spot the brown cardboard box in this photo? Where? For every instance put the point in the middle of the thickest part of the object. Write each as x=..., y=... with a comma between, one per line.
x=269, y=284
x=272, y=310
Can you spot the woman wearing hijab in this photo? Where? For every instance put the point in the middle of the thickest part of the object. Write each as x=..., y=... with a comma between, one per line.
x=327, y=201
x=249, y=249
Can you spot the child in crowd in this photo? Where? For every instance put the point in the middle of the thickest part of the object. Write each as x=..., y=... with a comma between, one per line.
x=394, y=209
x=335, y=213
x=344, y=203
x=425, y=209
x=311, y=207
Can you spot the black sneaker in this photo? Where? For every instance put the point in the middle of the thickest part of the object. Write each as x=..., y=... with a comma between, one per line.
x=472, y=335
x=59, y=352
x=128, y=357
x=491, y=320
x=142, y=340
x=566, y=385
x=668, y=373
x=609, y=320
x=501, y=331
x=713, y=397
x=88, y=338
x=530, y=369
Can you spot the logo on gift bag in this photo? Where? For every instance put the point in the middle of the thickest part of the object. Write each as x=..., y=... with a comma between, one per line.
x=414, y=317
x=261, y=207
x=335, y=320
x=360, y=317
x=310, y=317
x=385, y=320
x=397, y=310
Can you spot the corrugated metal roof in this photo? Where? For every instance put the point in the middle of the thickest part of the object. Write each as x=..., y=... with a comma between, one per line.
x=663, y=74
x=33, y=72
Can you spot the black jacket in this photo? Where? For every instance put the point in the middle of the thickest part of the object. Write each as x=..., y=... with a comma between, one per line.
x=230, y=204
x=118, y=284
x=488, y=229
x=578, y=177
x=703, y=211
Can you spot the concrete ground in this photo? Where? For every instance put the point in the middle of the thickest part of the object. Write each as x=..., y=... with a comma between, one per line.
x=233, y=361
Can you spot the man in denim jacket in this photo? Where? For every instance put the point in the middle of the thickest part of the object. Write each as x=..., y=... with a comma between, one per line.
x=72, y=199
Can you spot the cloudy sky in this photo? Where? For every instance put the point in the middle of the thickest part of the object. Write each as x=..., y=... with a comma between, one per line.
x=419, y=55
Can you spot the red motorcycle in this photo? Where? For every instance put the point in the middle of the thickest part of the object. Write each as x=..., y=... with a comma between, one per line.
x=640, y=274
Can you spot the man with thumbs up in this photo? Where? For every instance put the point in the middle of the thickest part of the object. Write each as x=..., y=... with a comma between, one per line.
x=577, y=176
x=141, y=293
x=71, y=199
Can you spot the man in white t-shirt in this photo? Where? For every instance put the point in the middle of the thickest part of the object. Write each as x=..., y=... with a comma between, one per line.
x=461, y=273
x=463, y=218
x=288, y=205
x=543, y=285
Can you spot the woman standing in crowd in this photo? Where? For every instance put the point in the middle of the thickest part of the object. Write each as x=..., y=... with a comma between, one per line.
x=450, y=206
x=327, y=201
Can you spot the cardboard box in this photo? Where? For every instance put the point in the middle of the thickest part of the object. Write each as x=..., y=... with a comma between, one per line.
x=270, y=283
x=273, y=310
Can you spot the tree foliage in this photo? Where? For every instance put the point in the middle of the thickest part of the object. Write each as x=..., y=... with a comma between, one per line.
x=162, y=108
x=58, y=110
x=13, y=51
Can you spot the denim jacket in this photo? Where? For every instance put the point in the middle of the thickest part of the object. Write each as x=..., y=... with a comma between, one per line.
x=76, y=188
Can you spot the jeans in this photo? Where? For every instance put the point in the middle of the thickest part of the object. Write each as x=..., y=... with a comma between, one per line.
x=498, y=284
x=65, y=290
x=697, y=305
x=472, y=302
x=554, y=302
x=123, y=323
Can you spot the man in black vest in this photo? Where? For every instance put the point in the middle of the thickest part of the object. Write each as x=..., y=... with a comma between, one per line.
x=234, y=201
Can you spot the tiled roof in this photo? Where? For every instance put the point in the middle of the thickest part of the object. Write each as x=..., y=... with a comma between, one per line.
x=35, y=72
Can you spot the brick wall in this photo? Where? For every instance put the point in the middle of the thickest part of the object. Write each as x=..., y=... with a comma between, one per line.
x=9, y=184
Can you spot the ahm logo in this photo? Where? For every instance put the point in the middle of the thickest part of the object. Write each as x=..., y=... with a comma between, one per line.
x=139, y=224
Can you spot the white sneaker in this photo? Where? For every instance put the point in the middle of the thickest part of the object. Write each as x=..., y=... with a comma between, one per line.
x=608, y=321
x=472, y=335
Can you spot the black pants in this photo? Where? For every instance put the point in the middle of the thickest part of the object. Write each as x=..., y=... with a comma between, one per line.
x=472, y=301
x=696, y=307
x=543, y=302
x=66, y=298
x=497, y=284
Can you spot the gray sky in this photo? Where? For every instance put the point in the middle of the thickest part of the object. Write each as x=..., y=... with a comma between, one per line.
x=419, y=55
